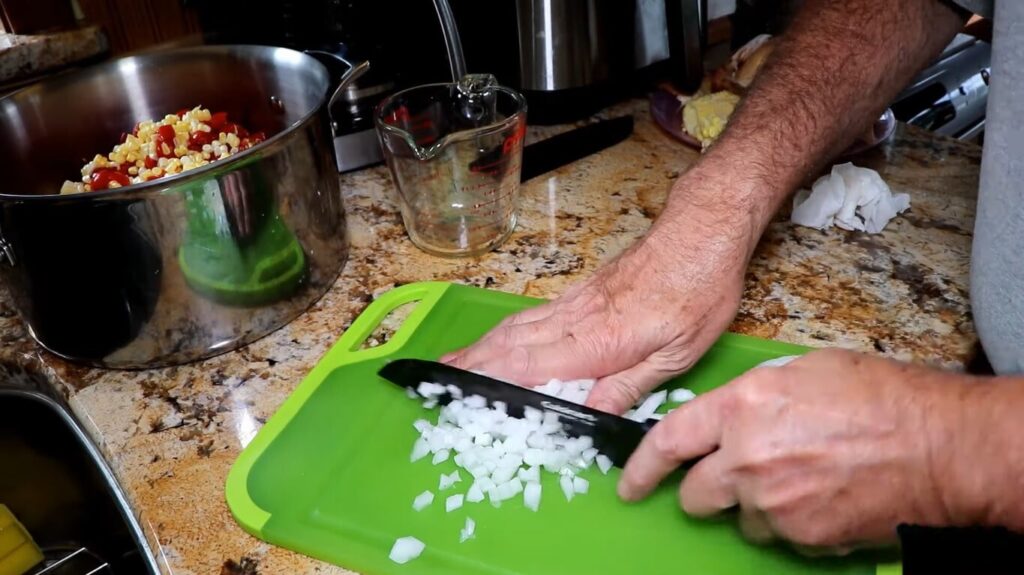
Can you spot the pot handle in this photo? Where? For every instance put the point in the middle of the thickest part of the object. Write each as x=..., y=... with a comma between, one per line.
x=352, y=74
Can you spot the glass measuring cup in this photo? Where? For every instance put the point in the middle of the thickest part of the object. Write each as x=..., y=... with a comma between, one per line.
x=455, y=152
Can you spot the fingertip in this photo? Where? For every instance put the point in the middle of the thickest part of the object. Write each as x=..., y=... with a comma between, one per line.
x=630, y=492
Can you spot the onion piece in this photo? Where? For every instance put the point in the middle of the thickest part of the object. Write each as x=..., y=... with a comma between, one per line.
x=423, y=500
x=441, y=456
x=420, y=449
x=467, y=531
x=603, y=463
x=453, y=502
x=406, y=549
x=681, y=395
x=475, y=402
x=531, y=495
x=430, y=390
x=580, y=485
x=567, y=488
x=475, y=493
x=649, y=406
x=448, y=480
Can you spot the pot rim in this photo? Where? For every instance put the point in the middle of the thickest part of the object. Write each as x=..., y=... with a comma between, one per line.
x=160, y=184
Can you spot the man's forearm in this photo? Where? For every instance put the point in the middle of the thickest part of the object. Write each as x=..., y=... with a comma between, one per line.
x=833, y=73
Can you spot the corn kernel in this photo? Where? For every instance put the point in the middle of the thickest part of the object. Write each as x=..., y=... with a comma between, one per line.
x=134, y=171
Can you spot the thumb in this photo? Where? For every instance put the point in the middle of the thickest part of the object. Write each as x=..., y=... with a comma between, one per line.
x=619, y=392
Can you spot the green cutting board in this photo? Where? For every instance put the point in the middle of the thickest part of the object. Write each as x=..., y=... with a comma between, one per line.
x=329, y=474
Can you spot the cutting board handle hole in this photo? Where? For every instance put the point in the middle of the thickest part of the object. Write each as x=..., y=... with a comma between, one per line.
x=388, y=326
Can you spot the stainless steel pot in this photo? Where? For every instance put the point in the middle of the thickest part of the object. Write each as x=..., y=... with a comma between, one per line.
x=184, y=267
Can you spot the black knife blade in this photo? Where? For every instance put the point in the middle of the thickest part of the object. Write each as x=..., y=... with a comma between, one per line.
x=614, y=436
x=557, y=151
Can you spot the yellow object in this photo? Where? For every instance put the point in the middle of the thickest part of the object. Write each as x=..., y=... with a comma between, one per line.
x=18, y=553
x=705, y=117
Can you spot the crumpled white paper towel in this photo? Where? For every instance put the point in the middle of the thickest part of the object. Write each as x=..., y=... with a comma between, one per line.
x=852, y=198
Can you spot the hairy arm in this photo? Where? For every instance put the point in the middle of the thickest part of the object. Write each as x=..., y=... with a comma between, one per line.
x=655, y=309
x=833, y=73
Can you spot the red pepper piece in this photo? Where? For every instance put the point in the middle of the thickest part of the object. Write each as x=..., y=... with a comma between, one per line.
x=150, y=162
x=199, y=139
x=218, y=120
x=100, y=179
x=165, y=135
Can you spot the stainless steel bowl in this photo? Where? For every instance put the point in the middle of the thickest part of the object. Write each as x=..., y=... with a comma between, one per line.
x=184, y=267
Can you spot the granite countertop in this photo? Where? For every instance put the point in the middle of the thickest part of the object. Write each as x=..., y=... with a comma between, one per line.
x=27, y=55
x=172, y=434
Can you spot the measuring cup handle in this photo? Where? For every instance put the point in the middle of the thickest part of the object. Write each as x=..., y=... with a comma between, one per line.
x=352, y=74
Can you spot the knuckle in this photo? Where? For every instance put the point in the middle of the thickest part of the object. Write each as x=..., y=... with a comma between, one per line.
x=664, y=442
x=520, y=360
x=627, y=389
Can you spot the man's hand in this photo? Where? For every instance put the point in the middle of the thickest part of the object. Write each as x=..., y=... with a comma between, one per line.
x=643, y=318
x=830, y=452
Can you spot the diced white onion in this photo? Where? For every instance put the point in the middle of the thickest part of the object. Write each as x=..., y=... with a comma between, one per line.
x=650, y=405
x=441, y=456
x=681, y=395
x=422, y=500
x=453, y=503
x=531, y=495
x=475, y=494
x=467, y=531
x=420, y=449
x=603, y=463
x=580, y=485
x=406, y=549
x=567, y=488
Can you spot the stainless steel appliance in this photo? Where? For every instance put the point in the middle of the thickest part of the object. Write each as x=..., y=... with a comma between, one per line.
x=573, y=57
x=569, y=57
x=186, y=266
x=949, y=97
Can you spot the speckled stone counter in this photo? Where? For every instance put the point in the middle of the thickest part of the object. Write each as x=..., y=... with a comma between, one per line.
x=28, y=55
x=171, y=435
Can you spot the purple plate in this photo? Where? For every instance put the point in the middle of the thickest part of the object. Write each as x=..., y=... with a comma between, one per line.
x=667, y=112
